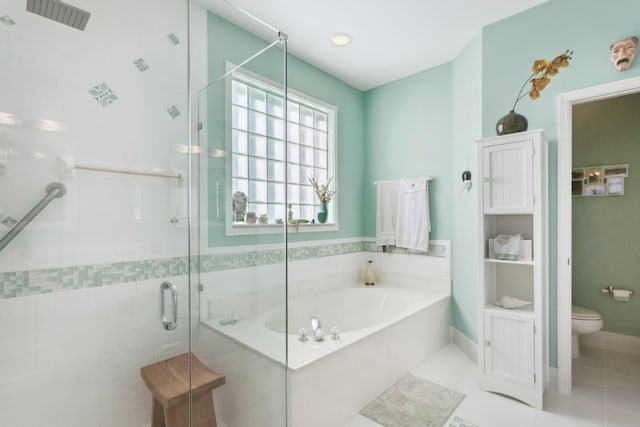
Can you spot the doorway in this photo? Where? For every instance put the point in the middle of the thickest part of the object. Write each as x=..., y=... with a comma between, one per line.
x=566, y=102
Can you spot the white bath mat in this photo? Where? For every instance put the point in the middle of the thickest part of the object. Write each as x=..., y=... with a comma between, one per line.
x=413, y=402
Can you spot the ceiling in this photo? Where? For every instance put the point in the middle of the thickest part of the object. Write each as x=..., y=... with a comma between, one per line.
x=390, y=39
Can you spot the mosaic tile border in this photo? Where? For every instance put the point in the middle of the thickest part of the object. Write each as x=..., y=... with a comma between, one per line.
x=17, y=284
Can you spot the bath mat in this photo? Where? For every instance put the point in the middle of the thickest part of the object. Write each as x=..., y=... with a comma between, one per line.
x=413, y=402
x=461, y=422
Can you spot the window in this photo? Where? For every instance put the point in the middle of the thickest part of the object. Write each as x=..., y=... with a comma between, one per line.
x=265, y=154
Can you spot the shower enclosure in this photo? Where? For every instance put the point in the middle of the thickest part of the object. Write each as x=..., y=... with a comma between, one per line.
x=111, y=273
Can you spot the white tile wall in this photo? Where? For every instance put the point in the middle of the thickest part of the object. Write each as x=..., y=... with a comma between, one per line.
x=75, y=357
x=47, y=72
x=72, y=358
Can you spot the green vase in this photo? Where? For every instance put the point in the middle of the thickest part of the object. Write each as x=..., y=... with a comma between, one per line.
x=323, y=213
x=511, y=123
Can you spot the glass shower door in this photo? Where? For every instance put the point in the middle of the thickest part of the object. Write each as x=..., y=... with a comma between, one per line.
x=243, y=212
x=94, y=137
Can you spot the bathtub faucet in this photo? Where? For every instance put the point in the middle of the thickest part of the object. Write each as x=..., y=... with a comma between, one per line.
x=318, y=335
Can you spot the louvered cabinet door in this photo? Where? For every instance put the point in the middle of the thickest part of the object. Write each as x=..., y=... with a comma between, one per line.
x=508, y=178
x=509, y=347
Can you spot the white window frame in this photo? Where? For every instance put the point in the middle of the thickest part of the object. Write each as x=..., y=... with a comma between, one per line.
x=235, y=229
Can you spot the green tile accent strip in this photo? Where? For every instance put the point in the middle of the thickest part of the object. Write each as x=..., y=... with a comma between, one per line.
x=16, y=284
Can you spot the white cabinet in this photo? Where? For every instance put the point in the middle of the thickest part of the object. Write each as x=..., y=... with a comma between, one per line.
x=508, y=175
x=513, y=201
x=509, y=346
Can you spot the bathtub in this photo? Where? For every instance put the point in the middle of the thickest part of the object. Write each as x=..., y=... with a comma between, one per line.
x=355, y=310
x=385, y=330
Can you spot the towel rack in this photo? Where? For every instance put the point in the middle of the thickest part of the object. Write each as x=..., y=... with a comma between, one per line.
x=65, y=167
x=127, y=172
x=55, y=189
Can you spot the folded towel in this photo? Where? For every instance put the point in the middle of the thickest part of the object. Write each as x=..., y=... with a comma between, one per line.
x=386, y=212
x=413, y=224
x=507, y=247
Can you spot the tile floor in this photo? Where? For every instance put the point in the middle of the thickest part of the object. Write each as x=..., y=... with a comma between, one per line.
x=606, y=393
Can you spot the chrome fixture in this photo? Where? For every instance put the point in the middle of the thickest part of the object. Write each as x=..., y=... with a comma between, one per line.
x=302, y=335
x=169, y=325
x=55, y=189
x=318, y=335
x=60, y=12
x=335, y=333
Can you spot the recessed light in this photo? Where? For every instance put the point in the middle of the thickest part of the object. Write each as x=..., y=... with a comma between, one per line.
x=341, y=39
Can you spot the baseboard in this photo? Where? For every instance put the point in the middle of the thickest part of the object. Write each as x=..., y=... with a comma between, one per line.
x=612, y=342
x=467, y=346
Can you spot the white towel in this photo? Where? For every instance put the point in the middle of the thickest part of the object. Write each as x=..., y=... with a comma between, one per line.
x=386, y=212
x=414, y=224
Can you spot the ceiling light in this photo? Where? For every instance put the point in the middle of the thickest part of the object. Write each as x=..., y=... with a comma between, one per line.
x=342, y=39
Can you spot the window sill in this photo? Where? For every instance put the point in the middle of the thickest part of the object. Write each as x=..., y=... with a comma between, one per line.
x=242, y=228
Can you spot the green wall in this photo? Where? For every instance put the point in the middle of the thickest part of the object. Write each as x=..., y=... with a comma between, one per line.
x=227, y=42
x=606, y=236
x=467, y=126
x=408, y=133
x=427, y=123
x=588, y=27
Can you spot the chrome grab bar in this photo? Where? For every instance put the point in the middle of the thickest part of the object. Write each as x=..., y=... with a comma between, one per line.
x=169, y=325
x=55, y=189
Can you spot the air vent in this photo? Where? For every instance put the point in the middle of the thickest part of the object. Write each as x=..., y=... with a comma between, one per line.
x=59, y=12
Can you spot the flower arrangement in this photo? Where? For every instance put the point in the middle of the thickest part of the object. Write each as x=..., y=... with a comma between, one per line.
x=322, y=191
x=541, y=71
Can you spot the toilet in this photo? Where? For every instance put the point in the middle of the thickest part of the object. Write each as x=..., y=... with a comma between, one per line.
x=583, y=321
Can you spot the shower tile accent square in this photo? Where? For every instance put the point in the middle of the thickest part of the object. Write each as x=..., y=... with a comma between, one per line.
x=6, y=20
x=173, y=111
x=140, y=64
x=103, y=94
x=173, y=39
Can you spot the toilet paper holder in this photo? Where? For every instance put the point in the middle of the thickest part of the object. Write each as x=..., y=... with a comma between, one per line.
x=610, y=289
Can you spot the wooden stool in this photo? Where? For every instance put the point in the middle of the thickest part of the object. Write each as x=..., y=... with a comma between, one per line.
x=168, y=381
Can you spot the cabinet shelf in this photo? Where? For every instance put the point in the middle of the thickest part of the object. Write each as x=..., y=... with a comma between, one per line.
x=527, y=310
x=504, y=261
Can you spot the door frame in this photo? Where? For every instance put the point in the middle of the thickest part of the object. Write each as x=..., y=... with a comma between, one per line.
x=566, y=101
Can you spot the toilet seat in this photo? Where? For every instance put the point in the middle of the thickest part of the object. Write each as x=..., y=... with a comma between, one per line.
x=581, y=313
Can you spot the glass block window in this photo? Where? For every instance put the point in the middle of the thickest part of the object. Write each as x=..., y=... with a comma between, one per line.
x=273, y=156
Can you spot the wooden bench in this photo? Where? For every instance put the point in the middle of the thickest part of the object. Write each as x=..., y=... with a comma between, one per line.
x=168, y=381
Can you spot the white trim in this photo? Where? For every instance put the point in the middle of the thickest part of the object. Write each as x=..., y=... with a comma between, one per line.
x=566, y=102
x=553, y=378
x=467, y=346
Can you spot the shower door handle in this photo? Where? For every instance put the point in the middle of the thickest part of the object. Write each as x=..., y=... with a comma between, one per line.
x=169, y=325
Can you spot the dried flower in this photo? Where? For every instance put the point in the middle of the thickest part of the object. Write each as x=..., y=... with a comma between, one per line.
x=322, y=191
x=541, y=71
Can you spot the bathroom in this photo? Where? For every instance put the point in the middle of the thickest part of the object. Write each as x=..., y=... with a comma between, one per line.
x=80, y=284
x=604, y=133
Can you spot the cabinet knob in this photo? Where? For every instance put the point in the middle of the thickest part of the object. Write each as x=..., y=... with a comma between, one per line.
x=487, y=343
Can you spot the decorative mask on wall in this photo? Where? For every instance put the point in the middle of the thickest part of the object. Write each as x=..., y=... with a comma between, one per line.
x=623, y=52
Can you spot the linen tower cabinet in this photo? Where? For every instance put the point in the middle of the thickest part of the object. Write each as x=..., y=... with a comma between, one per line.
x=513, y=269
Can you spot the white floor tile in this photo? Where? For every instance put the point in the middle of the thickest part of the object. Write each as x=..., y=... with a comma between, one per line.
x=601, y=395
x=619, y=418
x=360, y=421
x=591, y=356
x=623, y=393
x=588, y=390
x=588, y=374
x=577, y=408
